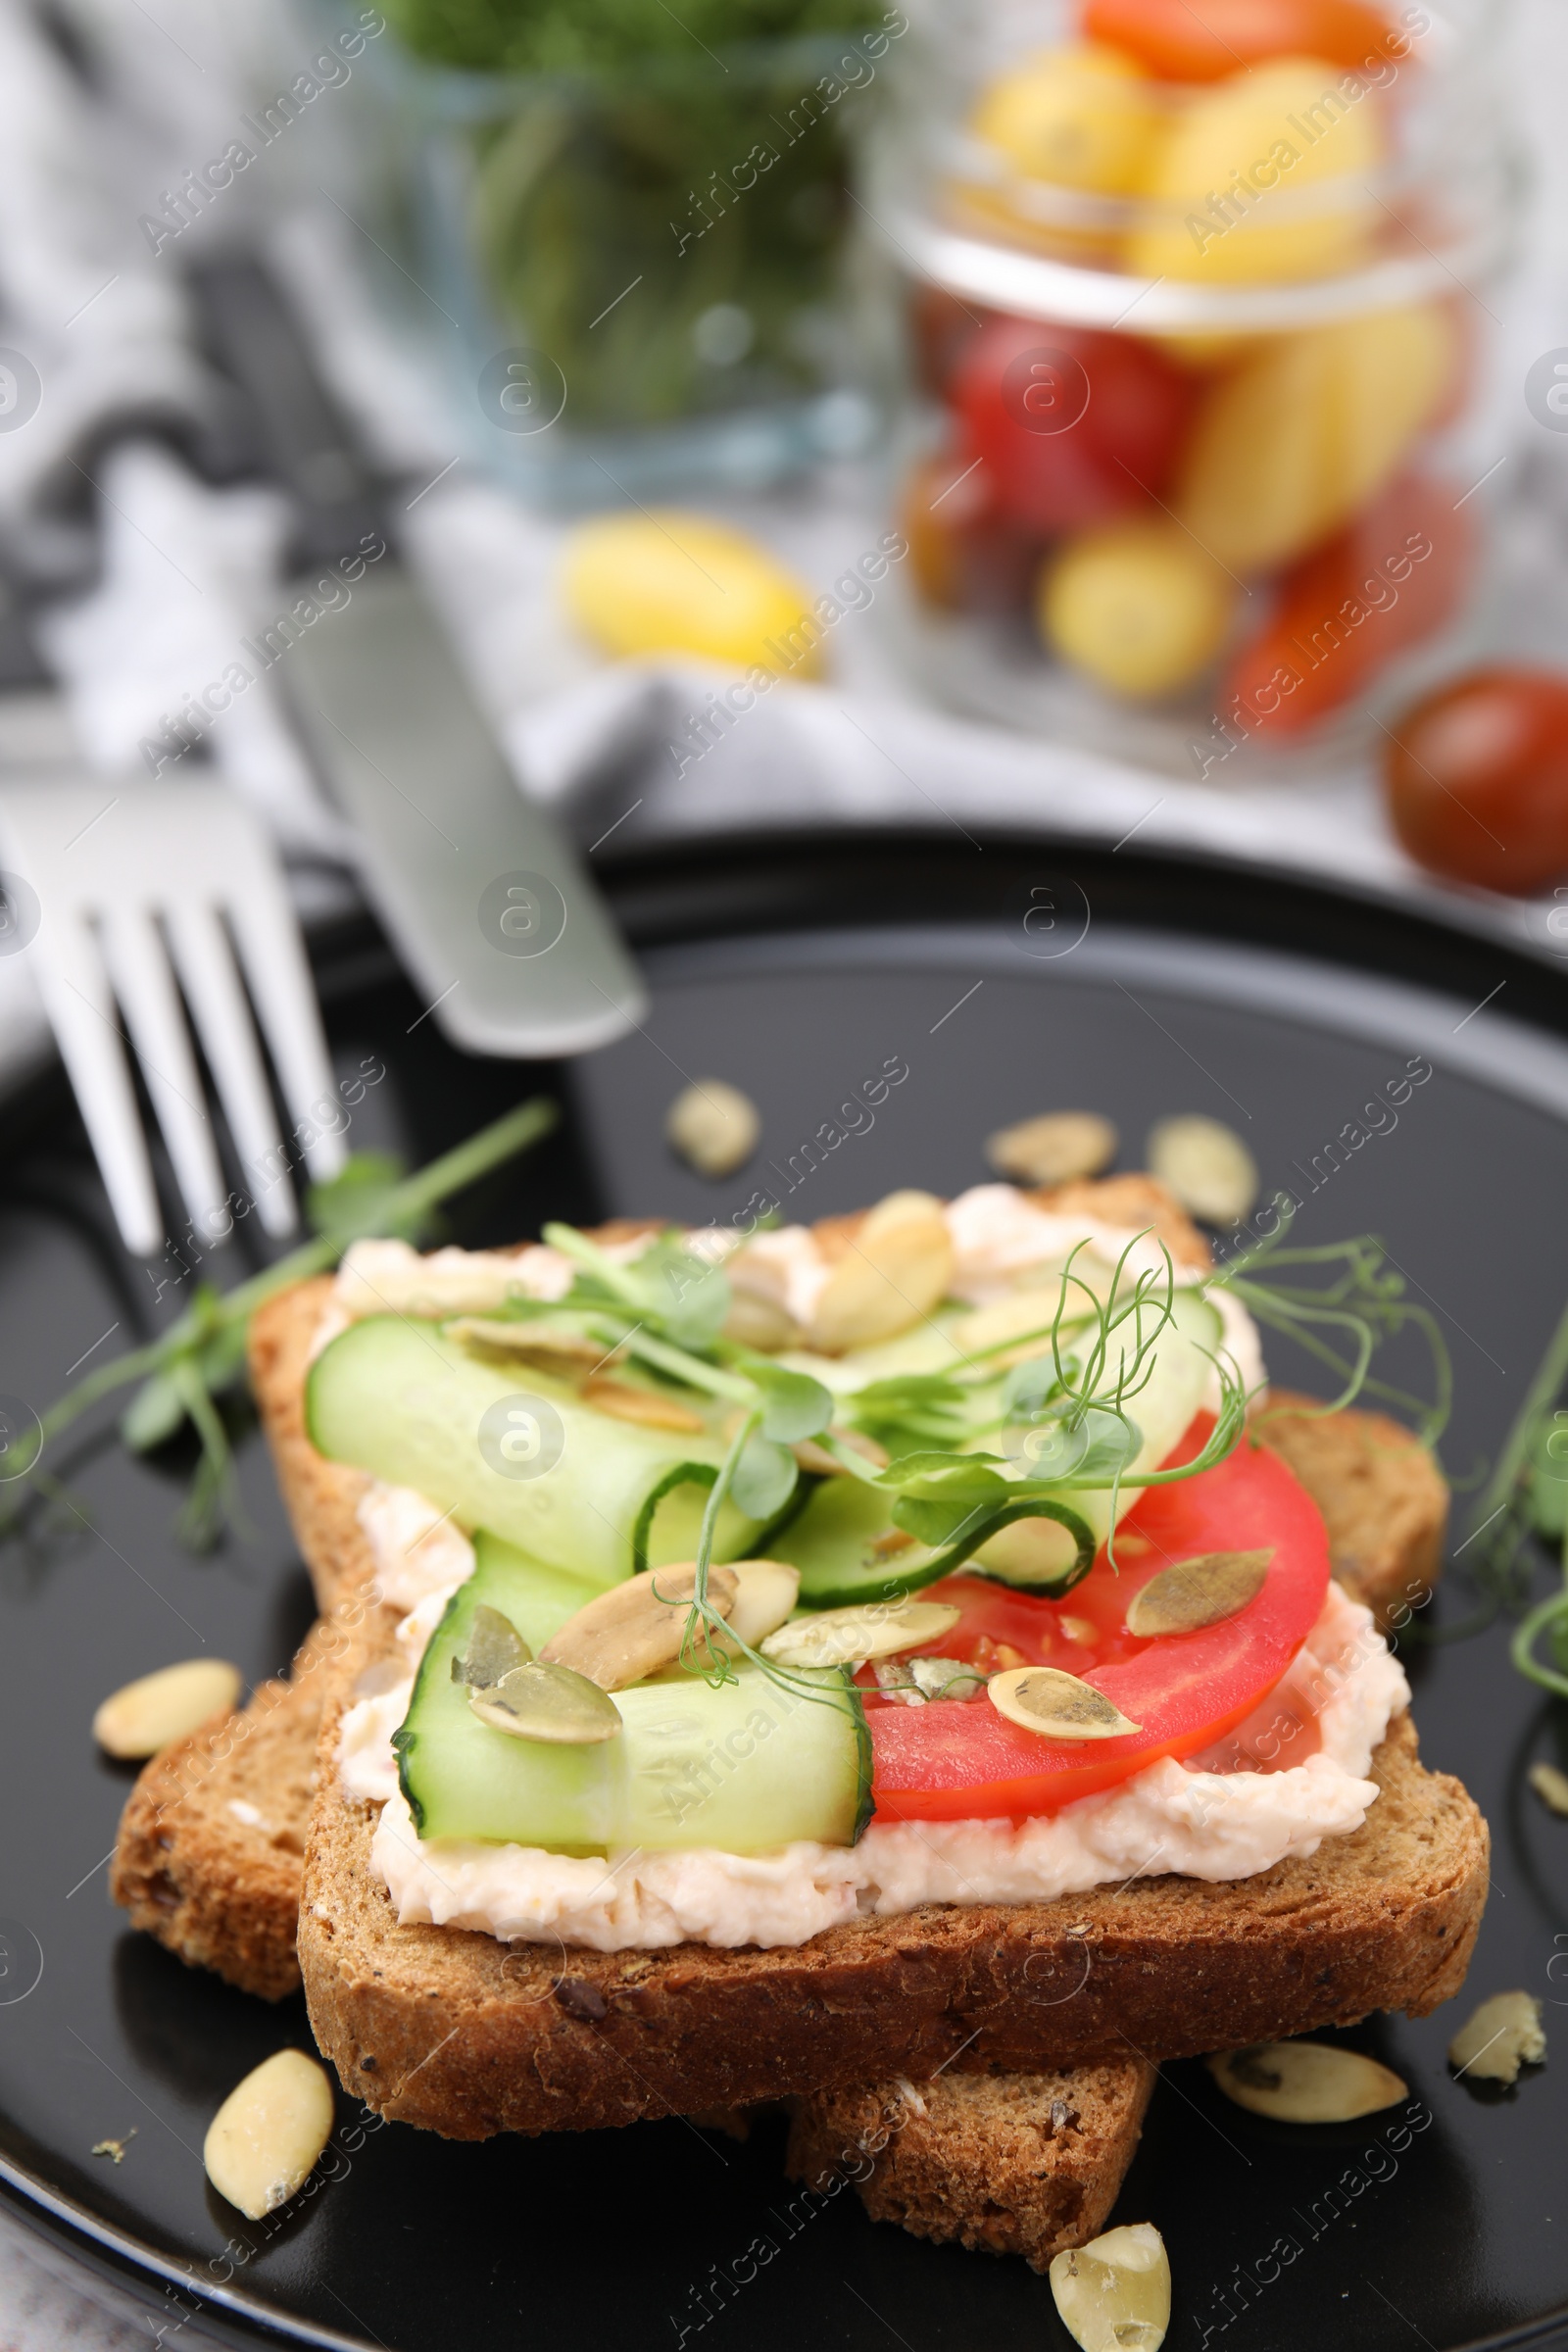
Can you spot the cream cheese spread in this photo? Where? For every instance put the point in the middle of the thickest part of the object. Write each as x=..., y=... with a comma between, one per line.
x=1215, y=1824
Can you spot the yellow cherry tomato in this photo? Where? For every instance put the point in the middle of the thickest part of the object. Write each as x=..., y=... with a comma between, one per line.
x=1295, y=440
x=1237, y=174
x=670, y=582
x=1136, y=607
x=1080, y=118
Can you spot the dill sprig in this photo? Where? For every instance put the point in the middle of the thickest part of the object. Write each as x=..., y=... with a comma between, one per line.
x=183, y=1374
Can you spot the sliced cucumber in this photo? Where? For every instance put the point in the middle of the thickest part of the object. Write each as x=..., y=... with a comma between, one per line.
x=397, y=1398
x=747, y=1767
x=833, y=1544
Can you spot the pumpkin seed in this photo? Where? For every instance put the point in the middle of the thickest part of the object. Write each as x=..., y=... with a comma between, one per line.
x=758, y=1321
x=495, y=1647
x=765, y=1592
x=1504, y=2034
x=893, y=1271
x=1053, y=1149
x=1306, y=2081
x=822, y=1464
x=266, y=2138
x=637, y=1628
x=553, y=1343
x=646, y=1407
x=151, y=1713
x=1207, y=1166
x=1551, y=1785
x=713, y=1127
x=1203, y=1591
x=546, y=1702
x=876, y=1628
x=1056, y=1705
x=1114, y=2294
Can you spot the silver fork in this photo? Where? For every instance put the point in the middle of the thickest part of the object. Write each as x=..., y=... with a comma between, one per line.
x=135, y=892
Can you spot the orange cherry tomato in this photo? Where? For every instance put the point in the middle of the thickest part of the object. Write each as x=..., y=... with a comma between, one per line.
x=1177, y=42
x=962, y=554
x=1477, y=780
x=1395, y=575
x=1075, y=426
x=961, y=1760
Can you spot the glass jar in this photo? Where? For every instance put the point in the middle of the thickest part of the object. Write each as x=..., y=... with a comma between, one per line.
x=648, y=258
x=1194, y=476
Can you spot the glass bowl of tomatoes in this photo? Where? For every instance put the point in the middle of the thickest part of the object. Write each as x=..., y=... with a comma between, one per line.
x=1191, y=475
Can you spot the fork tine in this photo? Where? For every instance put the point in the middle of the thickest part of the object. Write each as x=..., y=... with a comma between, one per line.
x=205, y=962
x=280, y=982
x=140, y=976
x=75, y=994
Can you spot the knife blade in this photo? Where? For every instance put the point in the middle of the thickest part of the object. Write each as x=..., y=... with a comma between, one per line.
x=487, y=902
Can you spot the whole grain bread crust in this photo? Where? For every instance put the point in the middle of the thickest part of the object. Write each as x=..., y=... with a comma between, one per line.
x=1383, y=1501
x=1004, y=2164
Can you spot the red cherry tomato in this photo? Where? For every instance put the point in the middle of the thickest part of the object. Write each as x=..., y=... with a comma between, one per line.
x=962, y=554
x=961, y=1760
x=1178, y=42
x=1073, y=425
x=1477, y=780
x=1397, y=574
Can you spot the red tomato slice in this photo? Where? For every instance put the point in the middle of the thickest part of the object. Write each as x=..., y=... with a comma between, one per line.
x=959, y=1760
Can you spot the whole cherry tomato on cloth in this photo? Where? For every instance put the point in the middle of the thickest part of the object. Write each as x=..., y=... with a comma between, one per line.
x=1178, y=42
x=1074, y=427
x=1477, y=780
x=1395, y=575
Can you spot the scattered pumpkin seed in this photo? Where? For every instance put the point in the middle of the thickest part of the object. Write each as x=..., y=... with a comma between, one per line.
x=758, y=1321
x=1056, y=1705
x=649, y=1409
x=150, y=1714
x=495, y=1648
x=637, y=1628
x=894, y=1270
x=266, y=2138
x=1206, y=1166
x=1504, y=2034
x=1551, y=1785
x=875, y=1629
x=1306, y=2081
x=1053, y=1149
x=1114, y=2295
x=822, y=1464
x=714, y=1126
x=546, y=1702
x=1199, y=1592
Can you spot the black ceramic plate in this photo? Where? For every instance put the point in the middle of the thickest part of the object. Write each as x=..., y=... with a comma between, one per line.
x=1003, y=981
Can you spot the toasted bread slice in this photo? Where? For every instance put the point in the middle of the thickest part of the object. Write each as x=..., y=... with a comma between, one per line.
x=1004, y=2164
x=1383, y=1498
x=212, y=1840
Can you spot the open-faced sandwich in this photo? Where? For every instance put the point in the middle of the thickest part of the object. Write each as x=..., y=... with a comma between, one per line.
x=893, y=1657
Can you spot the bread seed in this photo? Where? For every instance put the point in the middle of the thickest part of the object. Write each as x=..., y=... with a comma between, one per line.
x=713, y=1127
x=638, y=1628
x=645, y=1406
x=1306, y=2081
x=1199, y=1592
x=1207, y=1167
x=895, y=1271
x=546, y=1702
x=1056, y=1705
x=1114, y=2295
x=1551, y=1785
x=1053, y=1149
x=151, y=1714
x=877, y=1629
x=1504, y=2034
x=263, y=2143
